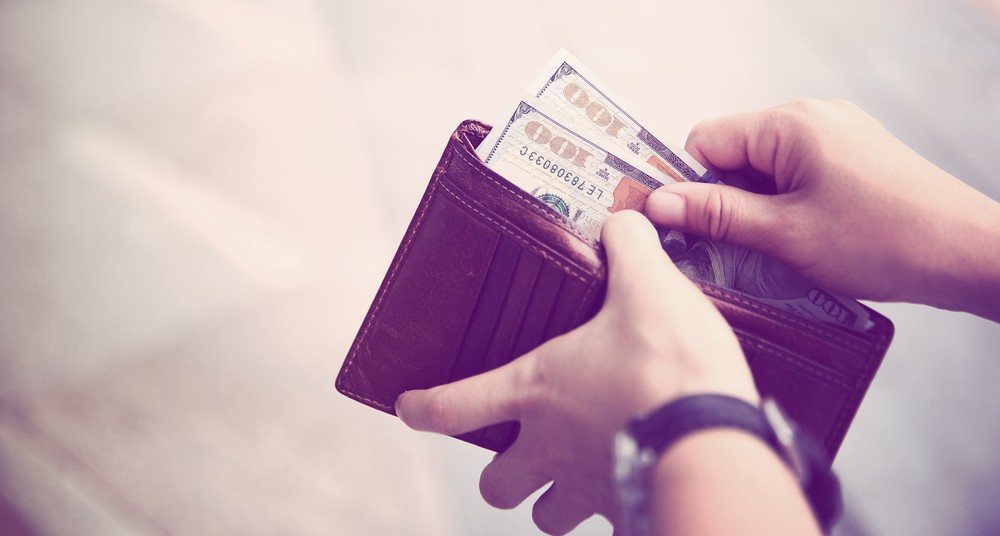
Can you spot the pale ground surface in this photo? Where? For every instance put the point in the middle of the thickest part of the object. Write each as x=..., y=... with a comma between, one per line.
x=198, y=201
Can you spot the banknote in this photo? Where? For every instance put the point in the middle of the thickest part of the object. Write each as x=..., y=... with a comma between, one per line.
x=560, y=155
x=550, y=160
x=762, y=277
x=569, y=86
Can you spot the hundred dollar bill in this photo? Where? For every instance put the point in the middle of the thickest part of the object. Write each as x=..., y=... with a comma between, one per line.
x=548, y=155
x=763, y=278
x=550, y=160
x=570, y=87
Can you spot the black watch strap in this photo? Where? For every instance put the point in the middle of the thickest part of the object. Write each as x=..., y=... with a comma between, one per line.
x=663, y=427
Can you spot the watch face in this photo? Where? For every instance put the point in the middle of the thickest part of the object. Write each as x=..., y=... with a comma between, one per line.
x=633, y=478
x=780, y=424
x=629, y=458
x=626, y=454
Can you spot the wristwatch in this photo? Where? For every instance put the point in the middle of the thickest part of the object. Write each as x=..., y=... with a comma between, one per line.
x=647, y=436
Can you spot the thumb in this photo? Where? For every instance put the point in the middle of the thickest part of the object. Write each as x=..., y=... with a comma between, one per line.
x=721, y=213
x=637, y=264
x=465, y=405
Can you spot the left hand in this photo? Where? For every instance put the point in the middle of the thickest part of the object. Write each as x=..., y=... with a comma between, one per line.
x=657, y=337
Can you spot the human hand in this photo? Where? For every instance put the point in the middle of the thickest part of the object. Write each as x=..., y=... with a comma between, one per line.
x=855, y=209
x=657, y=337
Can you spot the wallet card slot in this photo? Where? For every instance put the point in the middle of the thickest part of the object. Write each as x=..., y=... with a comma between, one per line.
x=543, y=299
x=490, y=305
x=518, y=297
x=566, y=312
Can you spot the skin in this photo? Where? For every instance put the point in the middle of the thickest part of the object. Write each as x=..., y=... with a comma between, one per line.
x=852, y=208
x=656, y=338
x=818, y=184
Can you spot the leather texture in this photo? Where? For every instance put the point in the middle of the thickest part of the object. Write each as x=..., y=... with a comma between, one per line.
x=486, y=272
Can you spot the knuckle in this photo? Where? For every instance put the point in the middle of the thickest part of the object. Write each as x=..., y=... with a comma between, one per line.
x=800, y=120
x=795, y=116
x=718, y=215
x=439, y=413
x=532, y=374
x=804, y=105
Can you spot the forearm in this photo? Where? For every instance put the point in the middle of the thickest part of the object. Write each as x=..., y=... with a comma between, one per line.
x=720, y=482
x=960, y=265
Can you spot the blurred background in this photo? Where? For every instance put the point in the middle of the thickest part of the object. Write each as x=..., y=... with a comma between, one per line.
x=199, y=199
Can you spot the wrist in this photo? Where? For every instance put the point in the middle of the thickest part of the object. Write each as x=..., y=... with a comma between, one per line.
x=721, y=368
x=961, y=262
x=731, y=471
x=653, y=440
x=656, y=394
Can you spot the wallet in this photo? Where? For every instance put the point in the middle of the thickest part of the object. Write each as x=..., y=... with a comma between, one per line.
x=486, y=272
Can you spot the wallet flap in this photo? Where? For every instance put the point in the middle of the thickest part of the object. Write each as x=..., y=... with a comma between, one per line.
x=818, y=372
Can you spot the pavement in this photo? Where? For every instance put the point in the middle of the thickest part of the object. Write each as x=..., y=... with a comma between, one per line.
x=198, y=201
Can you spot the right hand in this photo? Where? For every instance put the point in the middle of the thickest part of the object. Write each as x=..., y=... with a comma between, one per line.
x=656, y=338
x=853, y=208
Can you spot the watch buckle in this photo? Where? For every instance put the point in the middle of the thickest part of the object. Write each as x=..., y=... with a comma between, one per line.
x=784, y=433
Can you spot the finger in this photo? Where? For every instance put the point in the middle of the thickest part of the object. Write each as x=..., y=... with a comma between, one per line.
x=631, y=244
x=637, y=264
x=721, y=213
x=512, y=477
x=560, y=509
x=465, y=405
x=748, y=140
x=721, y=144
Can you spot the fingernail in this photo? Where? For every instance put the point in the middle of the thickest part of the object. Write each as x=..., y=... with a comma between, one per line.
x=666, y=208
x=398, y=407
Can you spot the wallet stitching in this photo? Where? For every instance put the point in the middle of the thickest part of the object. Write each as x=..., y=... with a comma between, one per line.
x=814, y=329
x=814, y=370
x=510, y=230
x=578, y=316
x=391, y=279
x=547, y=214
x=786, y=318
x=372, y=402
x=837, y=430
x=828, y=334
x=408, y=241
x=866, y=377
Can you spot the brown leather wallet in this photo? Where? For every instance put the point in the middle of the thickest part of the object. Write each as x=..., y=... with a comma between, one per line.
x=486, y=272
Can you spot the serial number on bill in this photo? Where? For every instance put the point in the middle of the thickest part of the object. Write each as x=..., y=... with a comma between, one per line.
x=560, y=172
